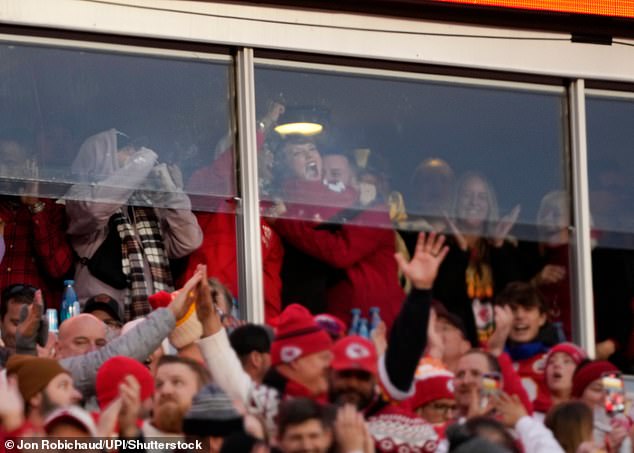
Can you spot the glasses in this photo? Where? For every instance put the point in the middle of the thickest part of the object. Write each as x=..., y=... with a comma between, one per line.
x=443, y=408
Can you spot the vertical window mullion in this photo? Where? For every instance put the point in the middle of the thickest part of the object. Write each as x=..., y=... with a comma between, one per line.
x=248, y=220
x=583, y=308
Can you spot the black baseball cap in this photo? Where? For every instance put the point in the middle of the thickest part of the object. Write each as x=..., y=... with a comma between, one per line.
x=106, y=303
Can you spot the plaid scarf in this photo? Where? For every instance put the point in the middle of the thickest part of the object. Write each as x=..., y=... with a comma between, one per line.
x=133, y=263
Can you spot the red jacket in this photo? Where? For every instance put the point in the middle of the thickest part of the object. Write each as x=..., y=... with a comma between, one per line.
x=362, y=251
x=218, y=252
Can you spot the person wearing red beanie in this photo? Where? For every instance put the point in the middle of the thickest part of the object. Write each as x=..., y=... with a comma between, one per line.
x=300, y=353
x=112, y=374
x=587, y=386
x=559, y=367
x=586, y=382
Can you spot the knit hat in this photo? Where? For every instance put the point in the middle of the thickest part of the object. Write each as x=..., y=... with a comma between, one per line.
x=33, y=373
x=212, y=413
x=297, y=335
x=73, y=414
x=355, y=353
x=431, y=383
x=577, y=354
x=188, y=328
x=588, y=373
x=113, y=372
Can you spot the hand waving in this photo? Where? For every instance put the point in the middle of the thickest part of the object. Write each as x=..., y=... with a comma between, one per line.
x=423, y=267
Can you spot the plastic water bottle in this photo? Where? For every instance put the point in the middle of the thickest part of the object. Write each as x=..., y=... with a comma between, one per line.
x=375, y=318
x=68, y=301
x=363, y=328
x=354, y=324
x=51, y=315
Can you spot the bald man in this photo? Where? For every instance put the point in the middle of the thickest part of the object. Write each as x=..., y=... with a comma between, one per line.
x=79, y=335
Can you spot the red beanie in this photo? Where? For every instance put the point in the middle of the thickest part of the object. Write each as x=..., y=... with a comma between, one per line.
x=589, y=373
x=297, y=335
x=355, y=353
x=112, y=373
x=431, y=383
x=160, y=300
x=578, y=355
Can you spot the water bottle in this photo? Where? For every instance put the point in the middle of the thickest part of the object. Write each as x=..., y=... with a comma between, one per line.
x=51, y=315
x=68, y=301
x=363, y=328
x=354, y=324
x=375, y=318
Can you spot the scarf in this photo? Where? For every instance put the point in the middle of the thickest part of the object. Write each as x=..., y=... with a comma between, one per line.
x=134, y=254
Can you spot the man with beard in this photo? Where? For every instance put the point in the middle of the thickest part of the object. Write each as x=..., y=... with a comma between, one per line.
x=177, y=380
x=44, y=386
x=37, y=251
x=354, y=379
x=294, y=340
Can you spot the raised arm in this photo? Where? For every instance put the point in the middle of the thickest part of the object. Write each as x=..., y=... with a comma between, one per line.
x=408, y=336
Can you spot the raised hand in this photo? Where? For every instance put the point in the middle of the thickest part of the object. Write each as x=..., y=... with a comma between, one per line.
x=461, y=241
x=206, y=309
x=379, y=338
x=130, y=394
x=504, y=226
x=186, y=296
x=423, y=267
x=31, y=323
x=503, y=325
x=12, y=407
x=350, y=430
x=550, y=274
x=509, y=409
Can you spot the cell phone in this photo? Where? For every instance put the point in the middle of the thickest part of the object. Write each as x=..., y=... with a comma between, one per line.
x=490, y=387
x=614, y=388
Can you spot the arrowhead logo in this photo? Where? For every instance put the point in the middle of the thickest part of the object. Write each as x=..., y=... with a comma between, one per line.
x=290, y=353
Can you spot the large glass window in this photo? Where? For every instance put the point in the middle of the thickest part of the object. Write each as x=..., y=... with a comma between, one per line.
x=610, y=166
x=391, y=154
x=116, y=164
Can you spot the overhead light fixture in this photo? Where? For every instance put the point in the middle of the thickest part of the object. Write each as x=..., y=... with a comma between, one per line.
x=302, y=120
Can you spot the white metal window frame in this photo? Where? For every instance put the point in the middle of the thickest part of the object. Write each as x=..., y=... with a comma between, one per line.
x=349, y=35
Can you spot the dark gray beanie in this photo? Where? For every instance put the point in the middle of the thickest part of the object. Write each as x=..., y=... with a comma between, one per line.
x=212, y=414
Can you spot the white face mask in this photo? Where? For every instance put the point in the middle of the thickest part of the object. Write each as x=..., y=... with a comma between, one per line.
x=367, y=193
x=335, y=186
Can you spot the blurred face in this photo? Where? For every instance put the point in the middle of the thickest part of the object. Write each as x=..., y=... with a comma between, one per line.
x=526, y=323
x=469, y=372
x=10, y=322
x=304, y=161
x=453, y=340
x=593, y=395
x=312, y=371
x=353, y=387
x=559, y=373
x=438, y=412
x=175, y=387
x=553, y=217
x=80, y=335
x=307, y=437
x=61, y=392
x=473, y=203
x=337, y=170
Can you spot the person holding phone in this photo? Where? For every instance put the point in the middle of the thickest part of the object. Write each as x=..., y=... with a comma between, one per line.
x=612, y=428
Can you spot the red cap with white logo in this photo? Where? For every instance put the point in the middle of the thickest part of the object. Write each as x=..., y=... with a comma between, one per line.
x=355, y=353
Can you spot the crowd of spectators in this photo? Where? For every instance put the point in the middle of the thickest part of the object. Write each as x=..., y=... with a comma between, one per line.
x=469, y=348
